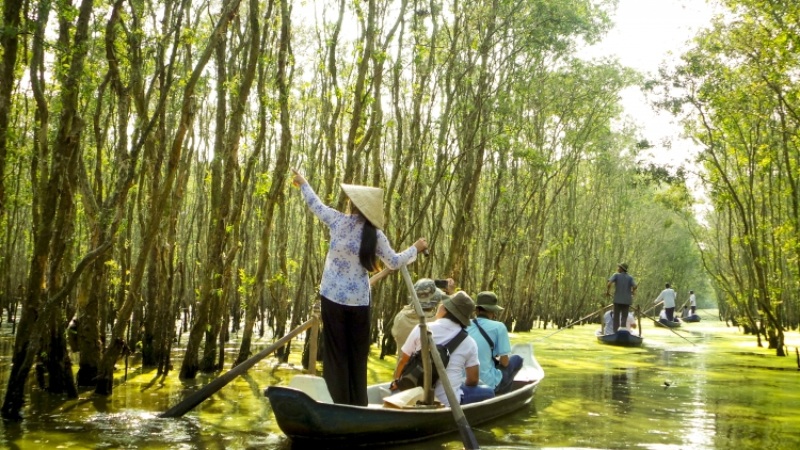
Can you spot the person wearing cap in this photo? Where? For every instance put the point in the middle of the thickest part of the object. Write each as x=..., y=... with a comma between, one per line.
x=668, y=297
x=463, y=370
x=624, y=290
x=429, y=297
x=356, y=244
x=498, y=365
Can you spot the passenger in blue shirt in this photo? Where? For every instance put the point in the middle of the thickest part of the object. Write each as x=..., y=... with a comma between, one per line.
x=498, y=366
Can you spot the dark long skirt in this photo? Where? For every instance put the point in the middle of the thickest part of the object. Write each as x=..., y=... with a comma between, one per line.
x=345, y=331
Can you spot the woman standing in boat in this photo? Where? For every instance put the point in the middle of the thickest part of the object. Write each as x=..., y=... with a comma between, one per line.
x=356, y=243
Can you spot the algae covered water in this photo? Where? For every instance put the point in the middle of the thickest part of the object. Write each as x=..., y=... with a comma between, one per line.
x=702, y=386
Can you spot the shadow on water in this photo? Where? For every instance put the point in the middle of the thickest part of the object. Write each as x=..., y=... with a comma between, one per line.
x=718, y=391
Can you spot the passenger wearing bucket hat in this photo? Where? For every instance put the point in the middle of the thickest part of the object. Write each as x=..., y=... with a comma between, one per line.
x=463, y=370
x=356, y=244
x=624, y=290
x=498, y=365
x=429, y=297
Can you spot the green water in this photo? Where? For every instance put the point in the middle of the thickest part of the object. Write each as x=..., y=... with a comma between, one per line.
x=715, y=389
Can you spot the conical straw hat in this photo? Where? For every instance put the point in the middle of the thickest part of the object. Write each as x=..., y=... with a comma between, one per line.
x=368, y=200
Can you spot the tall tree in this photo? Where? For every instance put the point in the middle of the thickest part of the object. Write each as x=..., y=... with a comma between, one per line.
x=737, y=85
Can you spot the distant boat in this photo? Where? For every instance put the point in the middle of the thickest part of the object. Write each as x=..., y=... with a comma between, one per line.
x=692, y=318
x=319, y=422
x=622, y=338
x=668, y=323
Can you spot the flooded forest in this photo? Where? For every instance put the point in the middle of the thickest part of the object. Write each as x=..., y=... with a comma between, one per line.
x=146, y=151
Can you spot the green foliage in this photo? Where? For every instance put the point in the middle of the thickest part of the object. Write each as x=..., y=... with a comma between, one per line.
x=737, y=84
x=489, y=137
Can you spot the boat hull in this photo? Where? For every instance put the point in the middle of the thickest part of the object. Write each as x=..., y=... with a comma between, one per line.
x=622, y=338
x=306, y=420
x=667, y=323
x=321, y=422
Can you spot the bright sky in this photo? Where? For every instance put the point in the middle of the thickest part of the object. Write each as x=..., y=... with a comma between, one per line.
x=649, y=33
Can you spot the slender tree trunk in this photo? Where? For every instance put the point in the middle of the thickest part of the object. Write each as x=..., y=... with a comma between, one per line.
x=50, y=245
x=187, y=112
x=9, y=42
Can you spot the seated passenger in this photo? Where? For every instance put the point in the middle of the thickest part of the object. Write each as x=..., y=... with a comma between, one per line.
x=429, y=296
x=662, y=317
x=463, y=370
x=608, y=322
x=498, y=366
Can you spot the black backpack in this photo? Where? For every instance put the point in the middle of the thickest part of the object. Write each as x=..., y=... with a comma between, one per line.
x=412, y=375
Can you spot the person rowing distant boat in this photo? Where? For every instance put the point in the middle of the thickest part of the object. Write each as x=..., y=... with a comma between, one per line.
x=624, y=290
x=667, y=296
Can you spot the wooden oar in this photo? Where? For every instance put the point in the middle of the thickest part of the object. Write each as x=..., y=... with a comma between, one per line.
x=652, y=308
x=670, y=329
x=574, y=322
x=639, y=318
x=379, y=276
x=709, y=315
x=467, y=436
x=211, y=388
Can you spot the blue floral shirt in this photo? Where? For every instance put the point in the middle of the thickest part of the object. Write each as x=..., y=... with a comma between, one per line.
x=344, y=279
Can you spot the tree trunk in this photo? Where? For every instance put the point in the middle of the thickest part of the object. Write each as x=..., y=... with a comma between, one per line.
x=89, y=325
x=106, y=375
x=51, y=231
x=9, y=42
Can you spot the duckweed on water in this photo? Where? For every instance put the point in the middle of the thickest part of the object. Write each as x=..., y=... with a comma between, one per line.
x=706, y=387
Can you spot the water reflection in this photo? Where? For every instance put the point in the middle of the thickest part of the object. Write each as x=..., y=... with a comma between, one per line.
x=720, y=393
x=621, y=389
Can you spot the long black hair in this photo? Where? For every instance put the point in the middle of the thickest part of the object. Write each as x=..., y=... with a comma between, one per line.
x=369, y=242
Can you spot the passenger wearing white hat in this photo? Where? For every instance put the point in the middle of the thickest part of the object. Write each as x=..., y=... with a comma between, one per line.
x=356, y=244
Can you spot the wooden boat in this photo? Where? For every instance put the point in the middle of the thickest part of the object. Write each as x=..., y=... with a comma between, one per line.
x=308, y=421
x=668, y=324
x=622, y=338
x=691, y=318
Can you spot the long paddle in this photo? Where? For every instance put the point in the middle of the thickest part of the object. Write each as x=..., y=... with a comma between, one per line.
x=574, y=322
x=669, y=328
x=208, y=390
x=647, y=311
x=709, y=315
x=467, y=436
x=379, y=276
x=639, y=318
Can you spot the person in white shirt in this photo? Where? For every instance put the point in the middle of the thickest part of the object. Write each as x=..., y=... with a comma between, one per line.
x=668, y=297
x=608, y=322
x=463, y=369
x=692, y=302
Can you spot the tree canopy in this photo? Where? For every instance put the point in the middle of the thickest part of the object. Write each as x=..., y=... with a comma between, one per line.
x=146, y=150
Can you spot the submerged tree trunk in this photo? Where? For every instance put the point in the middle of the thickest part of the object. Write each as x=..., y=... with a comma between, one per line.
x=89, y=325
x=187, y=112
x=56, y=176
